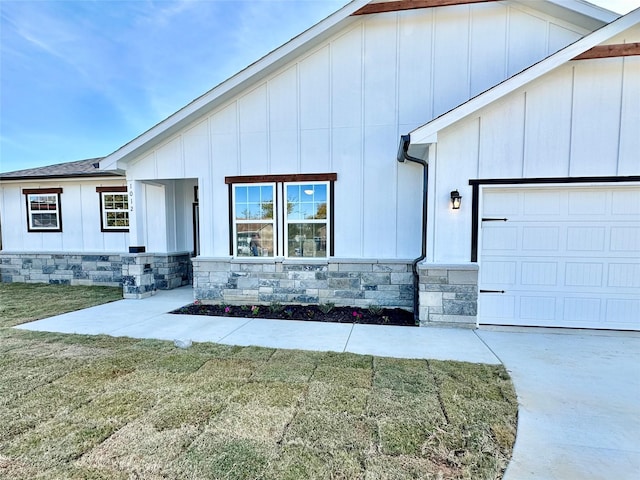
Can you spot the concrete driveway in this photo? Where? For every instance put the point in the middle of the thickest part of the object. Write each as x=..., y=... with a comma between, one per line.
x=579, y=396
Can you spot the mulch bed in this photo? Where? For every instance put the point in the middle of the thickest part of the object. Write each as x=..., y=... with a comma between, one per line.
x=380, y=316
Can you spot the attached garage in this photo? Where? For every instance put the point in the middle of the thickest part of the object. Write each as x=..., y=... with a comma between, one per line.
x=560, y=256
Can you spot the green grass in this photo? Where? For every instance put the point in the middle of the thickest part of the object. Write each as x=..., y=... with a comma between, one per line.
x=94, y=407
x=25, y=302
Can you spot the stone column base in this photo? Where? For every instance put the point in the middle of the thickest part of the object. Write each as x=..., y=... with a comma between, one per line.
x=448, y=294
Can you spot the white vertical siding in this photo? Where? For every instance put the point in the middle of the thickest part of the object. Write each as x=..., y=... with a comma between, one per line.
x=451, y=58
x=488, y=57
x=547, y=147
x=500, y=154
x=196, y=146
x=581, y=119
x=341, y=106
x=252, y=113
x=155, y=218
x=528, y=40
x=456, y=162
x=597, y=100
x=81, y=223
x=415, y=69
x=283, y=121
x=629, y=159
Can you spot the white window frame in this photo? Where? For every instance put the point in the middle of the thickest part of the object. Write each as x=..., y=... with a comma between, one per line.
x=57, y=211
x=104, y=211
x=325, y=221
x=266, y=251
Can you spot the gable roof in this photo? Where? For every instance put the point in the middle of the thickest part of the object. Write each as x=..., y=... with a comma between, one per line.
x=78, y=168
x=280, y=56
x=428, y=133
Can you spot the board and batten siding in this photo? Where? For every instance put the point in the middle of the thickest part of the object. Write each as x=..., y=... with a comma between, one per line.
x=81, y=224
x=580, y=120
x=341, y=107
x=166, y=225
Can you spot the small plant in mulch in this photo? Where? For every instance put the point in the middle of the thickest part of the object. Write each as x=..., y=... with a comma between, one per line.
x=328, y=312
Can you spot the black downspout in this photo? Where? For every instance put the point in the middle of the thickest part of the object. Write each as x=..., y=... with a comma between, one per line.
x=403, y=154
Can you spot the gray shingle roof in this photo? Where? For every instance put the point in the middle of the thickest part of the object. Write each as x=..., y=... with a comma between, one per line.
x=79, y=168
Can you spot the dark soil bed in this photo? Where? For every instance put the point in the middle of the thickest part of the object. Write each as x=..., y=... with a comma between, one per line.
x=324, y=313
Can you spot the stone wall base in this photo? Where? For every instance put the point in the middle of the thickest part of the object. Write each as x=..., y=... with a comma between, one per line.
x=139, y=274
x=448, y=294
x=262, y=281
x=103, y=269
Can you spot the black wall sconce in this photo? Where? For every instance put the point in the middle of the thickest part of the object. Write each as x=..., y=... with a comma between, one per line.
x=456, y=199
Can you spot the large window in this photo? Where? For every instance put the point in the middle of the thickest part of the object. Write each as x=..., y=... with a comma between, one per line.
x=114, y=209
x=43, y=209
x=281, y=215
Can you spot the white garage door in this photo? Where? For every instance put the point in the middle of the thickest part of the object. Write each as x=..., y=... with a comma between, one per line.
x=564, y=257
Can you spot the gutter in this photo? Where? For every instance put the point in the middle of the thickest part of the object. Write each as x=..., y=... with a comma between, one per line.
x=403, y=155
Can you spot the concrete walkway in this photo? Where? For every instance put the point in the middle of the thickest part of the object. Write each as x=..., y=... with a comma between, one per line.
x=148, y=318
x=578, y=391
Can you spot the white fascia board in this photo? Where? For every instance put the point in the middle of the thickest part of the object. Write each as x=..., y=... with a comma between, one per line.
x=168, y=126
x=428, y=133
x=582, y=7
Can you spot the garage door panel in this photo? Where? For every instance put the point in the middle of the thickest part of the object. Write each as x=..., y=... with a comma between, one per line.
x=582, y=310
x=622, y=311
x=624, y=275
x=588, y=203
x=538, y=308
x=565, y=257
x=538, y=203
x=625, y=202
x=541, y=238
x=499, y=307
x=582, y=274
x=499, y=272
x=625, y=239
x=539, y=273
x=502, y=203
x=500, y=238
x=586, y=239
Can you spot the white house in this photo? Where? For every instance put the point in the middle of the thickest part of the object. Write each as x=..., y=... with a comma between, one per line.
x=283, y=185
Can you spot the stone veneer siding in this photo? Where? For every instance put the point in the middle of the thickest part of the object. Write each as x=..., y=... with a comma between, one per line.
x=64, y=268
x=448, y=294
x=137, y=273
x=354, y=283
x=144, y=273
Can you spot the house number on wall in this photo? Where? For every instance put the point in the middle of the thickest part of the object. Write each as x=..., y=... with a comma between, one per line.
x=131, y=197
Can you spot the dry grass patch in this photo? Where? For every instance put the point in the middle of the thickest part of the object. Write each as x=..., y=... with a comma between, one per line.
x=97, y=407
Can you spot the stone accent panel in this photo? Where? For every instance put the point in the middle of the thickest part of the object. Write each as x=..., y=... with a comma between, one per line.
x=139, y=274
x=448, y=294
x=354, y=283
x=103, y=269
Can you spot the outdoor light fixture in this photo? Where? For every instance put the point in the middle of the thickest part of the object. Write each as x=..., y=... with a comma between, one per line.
x=456, y=199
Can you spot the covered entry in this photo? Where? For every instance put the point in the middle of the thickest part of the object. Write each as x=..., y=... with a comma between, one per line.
x=560, y=256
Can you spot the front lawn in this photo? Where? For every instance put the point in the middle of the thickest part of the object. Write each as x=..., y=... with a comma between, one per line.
x=25, y=302
x=74, y=406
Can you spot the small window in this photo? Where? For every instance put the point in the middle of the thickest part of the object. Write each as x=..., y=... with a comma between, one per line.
x=114, y=209
x=43, y=210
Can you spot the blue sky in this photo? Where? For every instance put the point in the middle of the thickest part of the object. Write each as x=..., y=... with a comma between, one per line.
x=80, y=78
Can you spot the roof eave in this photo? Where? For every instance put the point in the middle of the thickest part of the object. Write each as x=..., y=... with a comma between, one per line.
x=24, y=178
